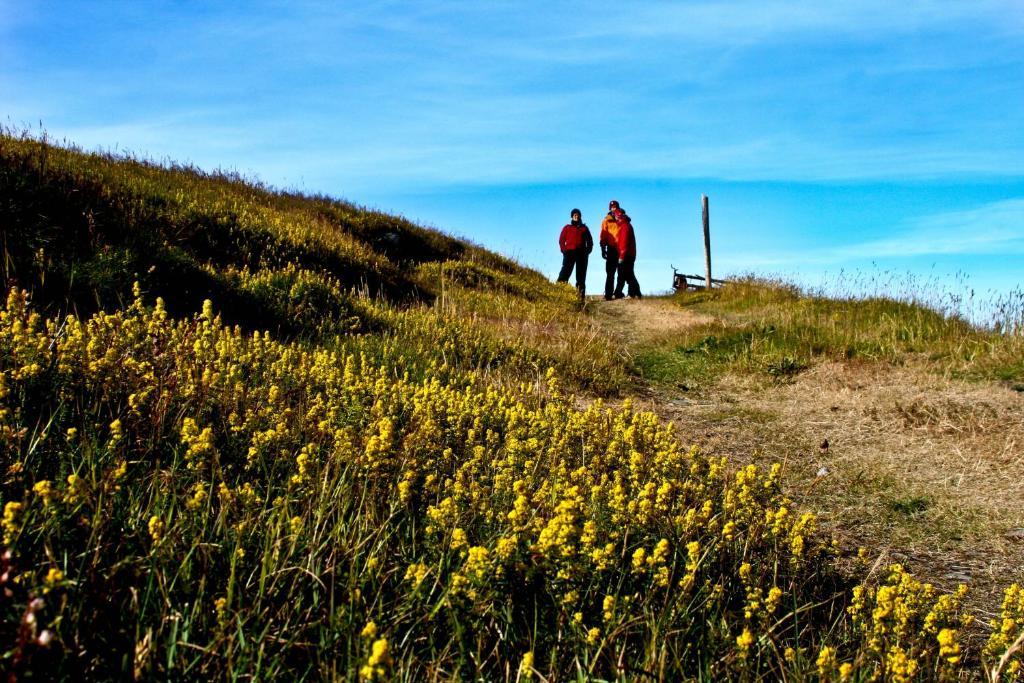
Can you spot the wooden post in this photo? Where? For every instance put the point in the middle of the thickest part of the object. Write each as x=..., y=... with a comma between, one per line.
x=707, y=241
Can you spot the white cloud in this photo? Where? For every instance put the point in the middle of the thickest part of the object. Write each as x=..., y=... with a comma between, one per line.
x=744, y=21
x=992, y=229
x=498, y=156
x=363, y=95
x=181, y=138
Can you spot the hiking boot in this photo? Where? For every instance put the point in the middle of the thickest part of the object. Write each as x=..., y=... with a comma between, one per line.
x=620, y=295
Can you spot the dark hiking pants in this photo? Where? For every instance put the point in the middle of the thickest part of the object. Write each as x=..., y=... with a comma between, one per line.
x=577, y=259
x=611, y=267
x=627, y=278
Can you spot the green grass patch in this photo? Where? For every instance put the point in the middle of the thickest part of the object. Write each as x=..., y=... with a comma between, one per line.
x=777, y=328
x=704, y=353
x=911, y=505
x=317, y=440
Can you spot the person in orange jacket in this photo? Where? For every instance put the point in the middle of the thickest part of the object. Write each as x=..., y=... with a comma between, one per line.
x=576, y=244
x=626, y=247
x=609, y=241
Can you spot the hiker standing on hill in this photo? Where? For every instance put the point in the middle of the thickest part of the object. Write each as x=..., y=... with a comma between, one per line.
x=609, y=241
x=620, y=252
x=576, y=245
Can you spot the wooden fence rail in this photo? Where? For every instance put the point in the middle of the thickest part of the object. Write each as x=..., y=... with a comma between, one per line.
x=682, y=281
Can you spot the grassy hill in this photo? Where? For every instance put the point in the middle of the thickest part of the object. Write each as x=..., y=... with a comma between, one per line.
x=247, y=433
x=757, y=325
x=898, y=426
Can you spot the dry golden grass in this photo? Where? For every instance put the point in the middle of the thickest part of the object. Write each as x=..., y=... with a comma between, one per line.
x=646, y=320
x=396, y=478
x=920, y=467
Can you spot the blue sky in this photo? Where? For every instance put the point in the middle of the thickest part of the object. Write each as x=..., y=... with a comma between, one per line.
x=855, y=136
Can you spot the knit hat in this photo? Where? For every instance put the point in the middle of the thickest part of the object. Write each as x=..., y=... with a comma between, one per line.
x=613, y=204
x=574, y=212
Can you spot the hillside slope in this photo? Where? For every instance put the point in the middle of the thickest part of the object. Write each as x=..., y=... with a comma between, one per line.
x=252, y=434
x=924, y=444
x=81, y=228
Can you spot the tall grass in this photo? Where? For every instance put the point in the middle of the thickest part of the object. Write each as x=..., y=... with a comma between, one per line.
x=199, y=502
x=778, y=328
x=951, y=296
x=249, y=434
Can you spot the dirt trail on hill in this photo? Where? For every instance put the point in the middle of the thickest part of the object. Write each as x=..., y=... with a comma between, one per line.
x=919, y=468
x=641, y=320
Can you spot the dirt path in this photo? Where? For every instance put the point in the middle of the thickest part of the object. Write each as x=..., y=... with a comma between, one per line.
x=919, y=468
x=641, y=320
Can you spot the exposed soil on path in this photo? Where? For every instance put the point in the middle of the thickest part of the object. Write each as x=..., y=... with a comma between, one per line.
x=919, y=468
x=638, y=320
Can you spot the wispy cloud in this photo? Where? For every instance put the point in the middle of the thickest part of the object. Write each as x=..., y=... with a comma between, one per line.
x=996, y=228
x=374, y=95
x=163, y=139
x=747, y=20
x=596, y=32
x=991, y=229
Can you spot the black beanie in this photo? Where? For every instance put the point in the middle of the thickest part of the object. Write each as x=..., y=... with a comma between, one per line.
x=575, y=211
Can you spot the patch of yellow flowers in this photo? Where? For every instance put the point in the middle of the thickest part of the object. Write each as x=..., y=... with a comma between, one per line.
x=434, y=499
x=905, y=628
x=1005, y=647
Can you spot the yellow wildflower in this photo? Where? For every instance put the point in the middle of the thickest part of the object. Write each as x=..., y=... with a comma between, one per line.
x=53, y=579
x=44, y=489
x=416, y=573
x=608, y=607
x=369, y=631
x=75, y=491
x=949, y=648
x=199, y=496
x=826, y=661
x=526, y=665
x=378, y=661
x=744, y=641
x=900, y=667
x=11, y=521
x=156, y=528
x=639, y=556
x=116, y=433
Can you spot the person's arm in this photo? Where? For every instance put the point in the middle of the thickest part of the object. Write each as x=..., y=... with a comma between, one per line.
x=603, y=240
x=588, y=239
x=561, y=239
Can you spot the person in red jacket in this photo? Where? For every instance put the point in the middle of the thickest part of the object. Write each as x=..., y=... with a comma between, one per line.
x=626, y=254
x=576, y=244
